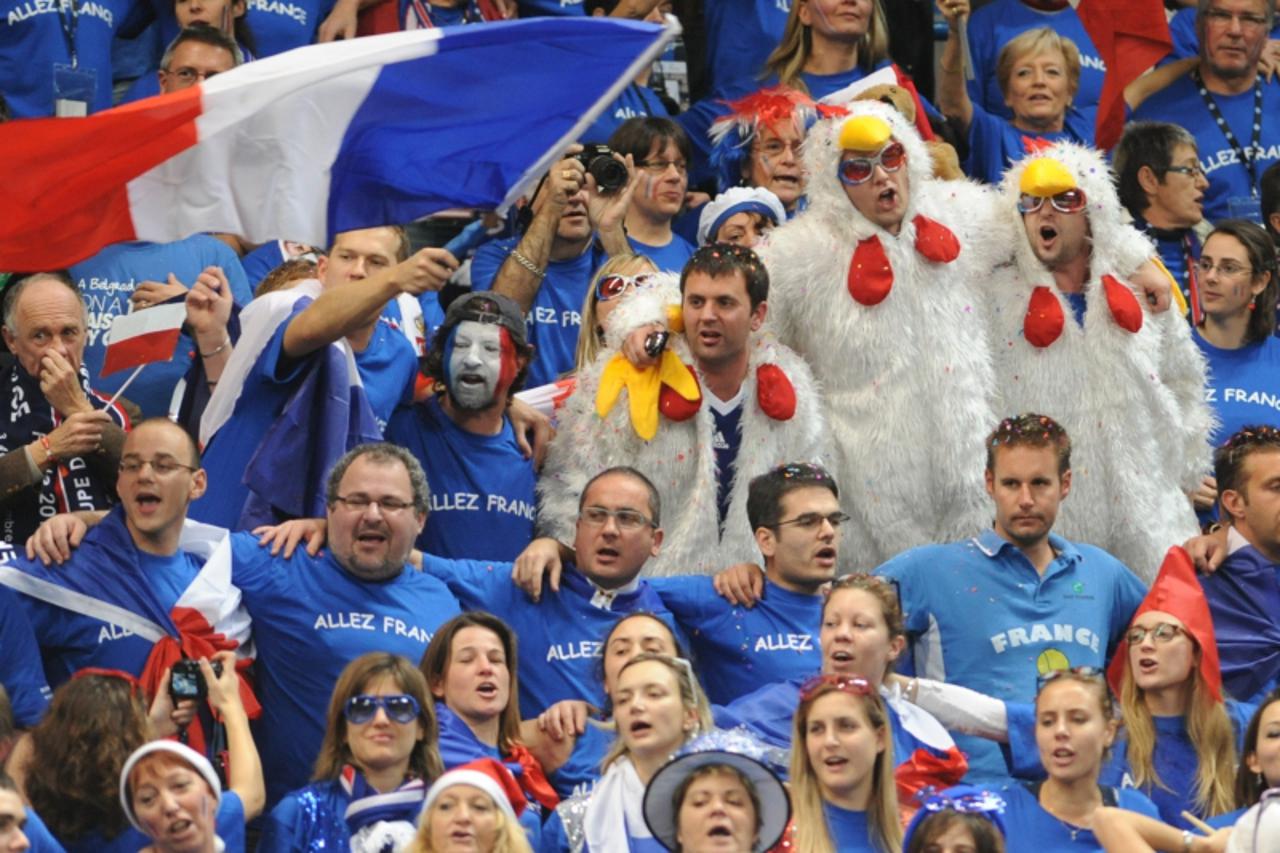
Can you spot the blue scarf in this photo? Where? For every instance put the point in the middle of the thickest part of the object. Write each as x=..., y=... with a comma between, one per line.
x=381, y=823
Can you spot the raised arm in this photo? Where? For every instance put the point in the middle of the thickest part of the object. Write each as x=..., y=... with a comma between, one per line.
x=953, y=96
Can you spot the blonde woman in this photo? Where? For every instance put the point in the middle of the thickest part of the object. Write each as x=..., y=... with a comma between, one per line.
x=828, y=44
x=613, y=282
x=473, y=808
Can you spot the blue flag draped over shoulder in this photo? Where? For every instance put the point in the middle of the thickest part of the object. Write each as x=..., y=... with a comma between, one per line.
x=1244, y=598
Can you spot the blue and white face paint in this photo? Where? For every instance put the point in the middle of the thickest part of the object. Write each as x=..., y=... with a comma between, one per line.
x=474, y=364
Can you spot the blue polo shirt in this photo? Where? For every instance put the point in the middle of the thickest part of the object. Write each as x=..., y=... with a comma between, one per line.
x=978, y=614
x=738, y=649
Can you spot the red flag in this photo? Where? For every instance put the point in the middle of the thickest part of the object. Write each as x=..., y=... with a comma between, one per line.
x=1131, y=36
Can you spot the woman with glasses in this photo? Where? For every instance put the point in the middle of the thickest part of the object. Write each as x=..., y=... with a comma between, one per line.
x=621, y=276
x=470, y=667
x=1236, y=285
x=842, y=786
x=376, y=761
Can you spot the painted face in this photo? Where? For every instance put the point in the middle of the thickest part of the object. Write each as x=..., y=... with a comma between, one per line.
x=48, y=318
x=480, y=360
x=1264, y=755
x=1233, y=36
x=1071, y=731
x=173, y=803
x=956, y=838
x=607, y=553
x=1027, y=490
x=743, y=229
x=1160, y=663
x=718, y=317
x=663, y=180
x=356, y=255
x=842, y=745
x=1227, y=279
x=382, y=743
x=192, y=62
x=882, y=198
x=1057, y=238
x=1039, y=91
x=477, y=679
x=837, y=20
x=1178, y=200
x=157, y=492
x=854, y=636
x=1256, y=508
x=373, y=541
x=13, y=819
x=650, y=713
x=635, y=636
x=463, y=819
x=219, y=14
x=775, y=162
x=803, y=557
x=716, y=814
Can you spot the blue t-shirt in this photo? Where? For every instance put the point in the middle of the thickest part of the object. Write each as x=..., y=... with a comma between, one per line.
x=850, y=831
x=560, y=636
x=994, y=25
x=1243, y=386
x=741, y=37
x=229, y=825
x=1031, y=829
x=309, y=819
x=1230, y=192
x=34, y=38
x=738, y=649
x=108, y=279
x=556, y=315
x=1244, y=596
x=280, y=25
x=70, y=641
x=636, y=101
x=482, y=498
x=387, y=367
x=726, y=438
x=669, y=258
x=21, y=670
x=995, y=144
x=978, y=614
x=42, y=840
x=310, y=619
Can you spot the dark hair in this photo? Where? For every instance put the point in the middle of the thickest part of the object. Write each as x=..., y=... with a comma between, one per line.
x=8, y=727
x=1229, y=458
x=1030, y=430
x=1261, y=250
x=203, y=34
x=1250, y=785
x=13, y=292
x=433, y=363
x=655, y=500
x=720, y=260
x=193, y=446
x=1150, y=144
x=986, y=835
x=636, y=136
x=681, y=652
x=435, y=665
x=382, y=453
x=1270, y=188
x=765, y=493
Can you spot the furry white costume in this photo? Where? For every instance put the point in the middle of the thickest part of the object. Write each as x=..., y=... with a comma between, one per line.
x=1131, y=400
x=680, y=459
x=907, y=380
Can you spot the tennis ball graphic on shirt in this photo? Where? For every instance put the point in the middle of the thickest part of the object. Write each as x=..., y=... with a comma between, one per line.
x=1051, y=660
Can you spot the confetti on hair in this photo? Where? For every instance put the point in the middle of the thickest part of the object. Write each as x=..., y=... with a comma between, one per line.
x=732, y=135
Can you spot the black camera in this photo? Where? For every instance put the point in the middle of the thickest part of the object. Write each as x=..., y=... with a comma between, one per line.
x=610, y=175
x=186, y=681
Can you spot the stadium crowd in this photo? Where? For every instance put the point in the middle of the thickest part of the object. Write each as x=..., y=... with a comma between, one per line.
x=833, y=452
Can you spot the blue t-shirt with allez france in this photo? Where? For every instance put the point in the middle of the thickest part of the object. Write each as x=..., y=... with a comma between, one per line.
x=310, y=619
x=280, y=25
x=1243, y=386
x=482, y=497
x=109, y=278
x=978, y=614
x=21, y=671
x=556, y=315
x=737, y=648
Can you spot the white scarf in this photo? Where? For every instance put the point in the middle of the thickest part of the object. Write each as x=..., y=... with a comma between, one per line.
x=619, y=793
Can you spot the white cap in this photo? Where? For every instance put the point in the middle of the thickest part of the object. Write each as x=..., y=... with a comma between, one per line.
x=198, y=763
x=738, y=200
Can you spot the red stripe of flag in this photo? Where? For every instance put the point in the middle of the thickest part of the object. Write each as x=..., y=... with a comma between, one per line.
x=143, y=337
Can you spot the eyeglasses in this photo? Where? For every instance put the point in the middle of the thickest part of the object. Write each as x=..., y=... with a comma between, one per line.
x=360, y=503
x=659, y=167
x=400, y=708
x=852, y=684
x=628, y=519
x=613, y=286
x=1164, y=632
x=1192, y=172
x=162, y=465
x=1227, y=269
x=188, y=76
x=1068, y=201
x=776, y=147
x=1091, y=673
x=858, y=170
x=1223, y=18
x=811, y=520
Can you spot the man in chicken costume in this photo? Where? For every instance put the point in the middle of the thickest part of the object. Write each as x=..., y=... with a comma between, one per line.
x=1072, y=338
x=876, y=286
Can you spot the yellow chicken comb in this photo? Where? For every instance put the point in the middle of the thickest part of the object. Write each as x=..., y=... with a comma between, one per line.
x=1045, y=177
x=865, y=133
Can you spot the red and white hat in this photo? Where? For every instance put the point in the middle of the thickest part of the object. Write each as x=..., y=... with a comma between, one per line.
x=488, y=775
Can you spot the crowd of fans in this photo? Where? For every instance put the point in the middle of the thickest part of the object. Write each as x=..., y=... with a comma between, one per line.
x=820, y=460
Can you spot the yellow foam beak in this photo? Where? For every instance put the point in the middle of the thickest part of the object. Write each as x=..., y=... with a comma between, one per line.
x=1045, y=177
x=865, y=133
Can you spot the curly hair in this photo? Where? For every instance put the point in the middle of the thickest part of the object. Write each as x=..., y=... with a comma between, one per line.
x=76, y=789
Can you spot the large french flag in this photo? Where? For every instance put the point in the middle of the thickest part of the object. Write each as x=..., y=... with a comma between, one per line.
x=323, y=139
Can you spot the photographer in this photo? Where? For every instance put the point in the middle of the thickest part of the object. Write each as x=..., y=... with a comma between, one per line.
x=547, y=269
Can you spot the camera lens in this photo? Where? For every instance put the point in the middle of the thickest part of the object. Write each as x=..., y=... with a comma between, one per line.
x=610, y=175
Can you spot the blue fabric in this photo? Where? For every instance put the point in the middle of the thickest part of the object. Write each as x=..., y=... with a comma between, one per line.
x=995, y=144
x=580, y=773
x=1180, y=103
x=1079, y=303
x=1244, y=598
x=550, y=8
x=726, y=438
x=308, y=820
x=555, y=318
x=21, y=670
x=310, y=619
x=979, y=615
x=850, y=830
x=262, y=260
x=280, y=25
x=108, y=279
x=994, y=25
x=42, y=840
x=669, y=258
x=740, y=37
x=636, y=101
x=560, y=637
x=229, y=826
x=738, y=649
x=1172, y=252
x=482, y=498
x=1031, y=829
x=1243, y=386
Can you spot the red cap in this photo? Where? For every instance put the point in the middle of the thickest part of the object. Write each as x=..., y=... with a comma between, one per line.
x=1177, y=592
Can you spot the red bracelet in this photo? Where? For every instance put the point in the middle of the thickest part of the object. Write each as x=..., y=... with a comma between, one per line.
x=50, y=456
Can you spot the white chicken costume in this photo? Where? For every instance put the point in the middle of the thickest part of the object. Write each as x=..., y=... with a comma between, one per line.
x=1126, y=384
x=892, y=328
